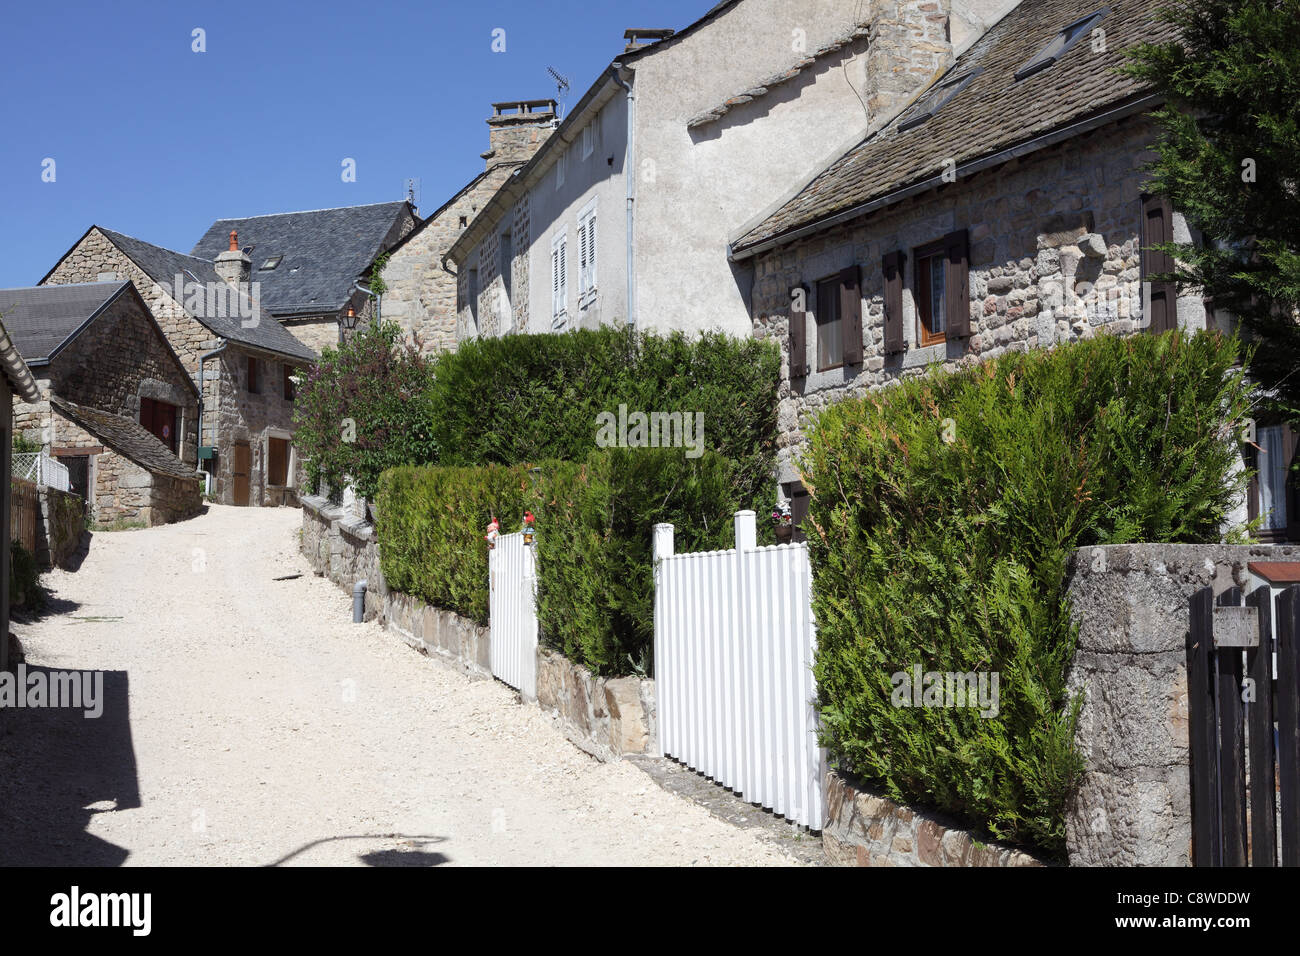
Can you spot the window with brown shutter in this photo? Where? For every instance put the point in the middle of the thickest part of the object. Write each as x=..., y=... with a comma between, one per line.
x=957, y=284
x=1272, y=492
x=851, y=315
x=253, y=385
x=1157, y=227
x=159, y=419
x=892, y=267
x=930, y=292
x=798, y=337
x=277, y=461
x=830, y=325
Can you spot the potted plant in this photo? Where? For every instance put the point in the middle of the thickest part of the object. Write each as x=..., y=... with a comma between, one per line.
x=783, y=522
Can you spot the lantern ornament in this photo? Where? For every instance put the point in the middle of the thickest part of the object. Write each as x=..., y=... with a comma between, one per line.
x=493, y=531
x=529, y=531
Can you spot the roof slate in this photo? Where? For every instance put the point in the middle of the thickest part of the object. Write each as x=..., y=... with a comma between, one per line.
x=163, y=265
x=992, y=113
x=41, y=319
x=324, y=251
x=125, y=437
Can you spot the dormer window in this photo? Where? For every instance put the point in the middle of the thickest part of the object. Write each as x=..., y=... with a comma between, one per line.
x=936, y=97
x=1060, y=43
x=270, y=264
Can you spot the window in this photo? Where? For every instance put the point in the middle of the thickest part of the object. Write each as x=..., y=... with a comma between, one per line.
x=588, y=141
x=289, y=392
x=471, y=296
x=270, y=263
x=797, y=495
x=254, y=385
x=830, y=338
x=159, y=419
x=1272, y=493
x=941, y=289
x=559, y=277
x=559, y=169
x=78, y=473
x=277, y=461
x=938, y=95
x=1060, y=43
x=587, y=251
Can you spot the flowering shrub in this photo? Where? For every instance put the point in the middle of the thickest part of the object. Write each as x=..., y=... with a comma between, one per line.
x=364, y=408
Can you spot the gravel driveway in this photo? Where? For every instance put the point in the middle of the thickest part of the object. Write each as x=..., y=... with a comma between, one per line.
x=248, y=722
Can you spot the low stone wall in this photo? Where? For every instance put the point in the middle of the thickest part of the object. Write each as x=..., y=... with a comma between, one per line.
x=1133, y=807
x=126, y=492
x=866, y=829
x=607, y=717
x=341, y=546
x=63, y=528
x=439, y=633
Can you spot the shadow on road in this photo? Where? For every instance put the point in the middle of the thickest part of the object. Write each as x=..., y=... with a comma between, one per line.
x=408, y=853
x=55, y=764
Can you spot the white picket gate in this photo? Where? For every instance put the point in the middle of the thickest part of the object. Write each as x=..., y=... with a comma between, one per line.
x=512, y=613
x=734, y=643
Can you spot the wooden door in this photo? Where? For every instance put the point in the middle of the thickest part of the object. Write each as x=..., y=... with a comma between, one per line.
x=239, y=468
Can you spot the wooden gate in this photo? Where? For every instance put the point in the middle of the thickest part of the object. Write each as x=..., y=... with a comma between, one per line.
x=1243, y=688
x=24, y=513
x=239, y=468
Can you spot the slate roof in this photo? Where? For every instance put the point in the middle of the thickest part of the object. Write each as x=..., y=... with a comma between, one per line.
x=992, y=113
x=163, y=265
x=324, y=251
x=125, y=437
x=42, y=319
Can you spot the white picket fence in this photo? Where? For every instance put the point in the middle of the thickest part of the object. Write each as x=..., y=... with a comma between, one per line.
x=41, y=469
x=734, y=643
x=512, y=613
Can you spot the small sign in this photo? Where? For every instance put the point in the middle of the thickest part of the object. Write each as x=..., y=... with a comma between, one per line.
x=1236, y=627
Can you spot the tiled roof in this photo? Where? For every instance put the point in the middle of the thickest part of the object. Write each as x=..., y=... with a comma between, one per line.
x=125, y=437
x=163, y=265
x=992, y=113
x=41, y=319
x=323, y=250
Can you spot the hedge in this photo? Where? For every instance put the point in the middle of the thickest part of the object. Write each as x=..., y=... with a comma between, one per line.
x=942, y=512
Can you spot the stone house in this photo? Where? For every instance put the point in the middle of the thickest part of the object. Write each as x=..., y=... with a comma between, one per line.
x=1001, y=208
x=16, y=384
x=115, y=404
x=239, y=358
x=421, y=290
x=624, y=213
x=304, y=266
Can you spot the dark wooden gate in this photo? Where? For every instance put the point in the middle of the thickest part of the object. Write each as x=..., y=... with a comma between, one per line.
x=239, y=468
x=1244, y=727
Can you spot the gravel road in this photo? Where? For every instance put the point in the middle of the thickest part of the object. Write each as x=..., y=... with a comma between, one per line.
x=248, y=722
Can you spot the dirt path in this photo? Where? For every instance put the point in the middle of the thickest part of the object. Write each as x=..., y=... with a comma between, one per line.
x=247, y=721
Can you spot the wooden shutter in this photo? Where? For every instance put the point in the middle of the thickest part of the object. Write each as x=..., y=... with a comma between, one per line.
x=1289, y=442
x=277, y=453
x=1157, y=227
x=798, y=335
x=591, y=251
x=956, y=304
x=851, y=315
x=892, y=267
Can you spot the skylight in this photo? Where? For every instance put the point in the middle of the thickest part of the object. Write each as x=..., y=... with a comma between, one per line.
x=270, y=263
x=938, y=95
x=1056, y=48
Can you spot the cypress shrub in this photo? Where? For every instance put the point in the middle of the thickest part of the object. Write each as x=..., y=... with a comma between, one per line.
x=942, y=513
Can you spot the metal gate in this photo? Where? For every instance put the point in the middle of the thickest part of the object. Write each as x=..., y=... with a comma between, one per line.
x=1243, y=688
x=512, y=613
x=734, y=644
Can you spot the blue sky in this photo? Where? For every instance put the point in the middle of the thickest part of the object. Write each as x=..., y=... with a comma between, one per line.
x=155, y=140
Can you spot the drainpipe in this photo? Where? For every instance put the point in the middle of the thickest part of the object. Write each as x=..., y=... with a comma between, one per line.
x=199, y=437
x=629, y=176
x=359, y=601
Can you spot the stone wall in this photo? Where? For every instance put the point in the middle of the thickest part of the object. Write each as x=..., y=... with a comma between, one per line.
x=128, y=493
x=864, y=828
x=62, y=529
x=607, y=717
x=1133, y=807
x=237, y=415
x=1053, y=258
x=341, y=546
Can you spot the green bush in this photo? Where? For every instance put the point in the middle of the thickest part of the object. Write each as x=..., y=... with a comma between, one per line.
x=951, y=554
x=431, y=523
x=25, y=589
x=363, y=408
x=535, y=397
x=595, y=596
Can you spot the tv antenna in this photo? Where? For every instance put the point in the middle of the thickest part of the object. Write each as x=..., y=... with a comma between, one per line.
x=561, y=88
x=413, y=192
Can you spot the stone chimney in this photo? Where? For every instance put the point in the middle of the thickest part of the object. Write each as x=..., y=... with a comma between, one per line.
x=910, y=44
x=232, y=265
x=517, y=130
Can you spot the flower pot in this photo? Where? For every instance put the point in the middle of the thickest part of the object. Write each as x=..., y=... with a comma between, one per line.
x=784, y=533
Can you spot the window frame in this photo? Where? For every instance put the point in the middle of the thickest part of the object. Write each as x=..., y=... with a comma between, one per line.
x=916, y=114
x=1046, y=56
x=936, y=250
x=828, y=292
x=253, y=377
x=286, y=381
x=560, y=275
x=588, y=140
x=587, y=258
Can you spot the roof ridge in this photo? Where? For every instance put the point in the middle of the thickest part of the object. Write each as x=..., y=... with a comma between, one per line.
x=152, y=245
x=62, y=285
x=303, y=212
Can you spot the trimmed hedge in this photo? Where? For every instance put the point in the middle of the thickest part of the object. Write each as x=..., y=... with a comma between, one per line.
x=951, y=554
x=535, y=397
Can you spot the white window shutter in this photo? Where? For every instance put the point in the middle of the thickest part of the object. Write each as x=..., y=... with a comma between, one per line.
x=591, y=251
x=555, y=281
x=564, y=274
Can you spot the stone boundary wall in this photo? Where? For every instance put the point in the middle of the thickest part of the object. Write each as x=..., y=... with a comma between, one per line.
x=63, y=528
x=864, y=828
x=606, y=717
x=1133, y=806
